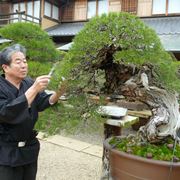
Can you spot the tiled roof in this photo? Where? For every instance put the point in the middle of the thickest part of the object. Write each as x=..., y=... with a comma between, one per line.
x=164, y=25
x=171, y=42
x=168, y=30
x=65, y=29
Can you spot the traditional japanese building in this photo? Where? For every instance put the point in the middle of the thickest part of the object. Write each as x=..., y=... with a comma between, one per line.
x=63, y=19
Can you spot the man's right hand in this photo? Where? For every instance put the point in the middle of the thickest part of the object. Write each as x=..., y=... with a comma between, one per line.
x=41, y=83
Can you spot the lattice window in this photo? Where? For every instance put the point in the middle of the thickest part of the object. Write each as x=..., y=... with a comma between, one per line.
x=129, y=6
x=67, y=11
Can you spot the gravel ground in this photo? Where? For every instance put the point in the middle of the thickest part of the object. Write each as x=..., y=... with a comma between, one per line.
x=60, y=163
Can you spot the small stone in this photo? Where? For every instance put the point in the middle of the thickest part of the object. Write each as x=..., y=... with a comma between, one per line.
x=149, y=155
x=170, y=146
x=129, y=151
x=175, y=159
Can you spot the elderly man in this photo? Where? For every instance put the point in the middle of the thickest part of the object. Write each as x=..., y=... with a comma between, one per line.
x=21, y=99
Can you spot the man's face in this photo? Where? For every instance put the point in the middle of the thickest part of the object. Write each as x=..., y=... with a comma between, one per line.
x=18, y=67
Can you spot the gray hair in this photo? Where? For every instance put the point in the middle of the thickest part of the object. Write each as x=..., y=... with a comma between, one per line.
x=6, y=53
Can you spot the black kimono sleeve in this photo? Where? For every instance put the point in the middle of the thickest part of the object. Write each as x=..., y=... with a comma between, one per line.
x=13, y=111
x=42, y=101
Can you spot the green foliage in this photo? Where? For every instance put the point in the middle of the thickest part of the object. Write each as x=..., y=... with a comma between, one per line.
x=74, y=116
x=169, y=73
x=39, y=45
x=130, y=41
x=163, y=151
x=125, y=31
x=61, y=69
x=37, y=68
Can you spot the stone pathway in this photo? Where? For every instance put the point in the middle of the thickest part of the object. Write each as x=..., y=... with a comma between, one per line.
x=63, y=158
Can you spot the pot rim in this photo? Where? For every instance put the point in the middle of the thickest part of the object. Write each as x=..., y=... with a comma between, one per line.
x=135, y=157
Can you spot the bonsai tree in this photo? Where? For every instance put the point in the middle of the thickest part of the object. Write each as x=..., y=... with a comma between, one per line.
x=119, y=54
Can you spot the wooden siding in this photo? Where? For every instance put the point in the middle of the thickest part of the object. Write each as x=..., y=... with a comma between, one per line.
x=46, y=23
x=144, y=8
x=114, y=5
x=80, y=10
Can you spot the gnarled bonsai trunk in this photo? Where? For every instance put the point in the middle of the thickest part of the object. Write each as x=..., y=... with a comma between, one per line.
x=138, y=84
x=165, y=119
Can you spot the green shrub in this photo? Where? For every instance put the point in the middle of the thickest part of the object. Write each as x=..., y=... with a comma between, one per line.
x=37, y=68
x=39, y=45
x=76, y=115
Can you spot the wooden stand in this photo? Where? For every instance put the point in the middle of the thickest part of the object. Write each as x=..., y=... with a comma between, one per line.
x=113, y=127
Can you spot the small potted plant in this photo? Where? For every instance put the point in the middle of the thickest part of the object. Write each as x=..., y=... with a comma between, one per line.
x=118, y=54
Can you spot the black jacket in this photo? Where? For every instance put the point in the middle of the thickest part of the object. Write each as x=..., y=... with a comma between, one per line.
x=17, y=122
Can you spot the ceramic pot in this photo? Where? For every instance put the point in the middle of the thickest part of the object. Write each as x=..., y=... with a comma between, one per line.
x=124, y=166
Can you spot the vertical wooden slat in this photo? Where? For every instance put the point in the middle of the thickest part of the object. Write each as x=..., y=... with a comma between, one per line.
x=33, y=8
x=96, y=7
x=167, y=5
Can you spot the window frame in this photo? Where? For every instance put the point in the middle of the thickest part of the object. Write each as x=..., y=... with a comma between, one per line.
x=51, y=13
x=96, y=9
x=166, y=10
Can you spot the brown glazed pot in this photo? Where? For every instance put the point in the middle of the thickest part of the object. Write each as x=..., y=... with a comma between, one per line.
x=124, y=166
